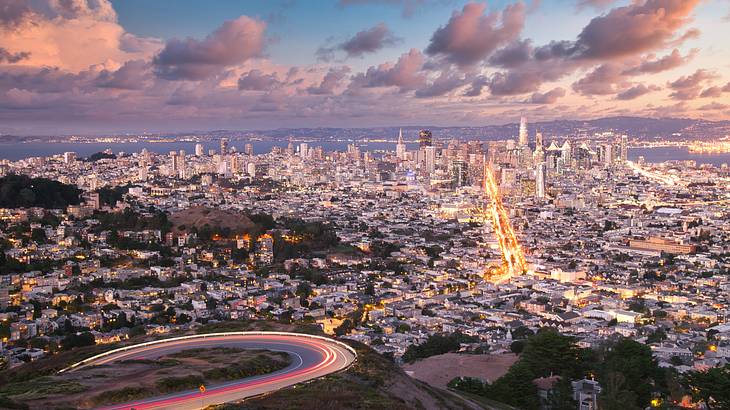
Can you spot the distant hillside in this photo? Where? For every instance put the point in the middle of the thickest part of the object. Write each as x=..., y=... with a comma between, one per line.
x=198, y=217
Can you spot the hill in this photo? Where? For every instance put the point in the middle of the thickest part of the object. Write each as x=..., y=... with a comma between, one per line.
x=198, y=217
x=373, y=382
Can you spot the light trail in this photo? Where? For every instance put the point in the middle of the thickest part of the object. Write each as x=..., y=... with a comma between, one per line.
x=317, y=356
x=514, y=262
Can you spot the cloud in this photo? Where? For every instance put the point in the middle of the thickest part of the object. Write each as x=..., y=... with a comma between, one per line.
x=369, y=41
x=233, y=43
x=598, y=4
x=477, y=85
x=14, y=12
x=256, y=80
x=711, y=92
x=471, y=36
x=636, y=92
x=513, y=55
x=714, y=106
x=638, y=27
x=549, y=97
x=8, y=57
x=100, y=10
x=405, y=74
x=689, y=87
x=133, y=75
x=446, y=82
x=665, y=63
x=70, y=34
x=330, y=82
x=601, y=81
x=409, y=7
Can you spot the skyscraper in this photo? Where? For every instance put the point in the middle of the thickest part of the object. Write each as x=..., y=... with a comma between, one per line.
x=400, y=147
x=624, y=148
x=540, y=180
x=430, y=159
x=523, y=132
x=224, y=146
x=459, y=173
x=538, y=140
x=199, y=150
x=425, y=138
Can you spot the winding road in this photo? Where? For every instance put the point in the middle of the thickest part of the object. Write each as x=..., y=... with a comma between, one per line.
x=312, y=357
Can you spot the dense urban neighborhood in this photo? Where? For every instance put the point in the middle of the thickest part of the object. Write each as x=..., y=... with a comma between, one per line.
x=395, y=249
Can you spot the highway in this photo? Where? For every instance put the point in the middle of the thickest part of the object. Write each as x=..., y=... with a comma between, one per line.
x=312, y=357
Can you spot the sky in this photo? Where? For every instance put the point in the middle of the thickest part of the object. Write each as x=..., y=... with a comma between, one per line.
x=115, y=66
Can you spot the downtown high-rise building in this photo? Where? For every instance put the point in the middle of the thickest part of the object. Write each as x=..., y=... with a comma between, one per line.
x=459, y=173
x=523, y=139
x=429, y=159
x=224, y=146
x=624, y=150
x=199, y=152
x=540, y=183
x=425, y=138
x=400, y=147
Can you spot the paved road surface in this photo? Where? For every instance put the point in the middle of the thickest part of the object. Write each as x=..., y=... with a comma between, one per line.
x=312, y=357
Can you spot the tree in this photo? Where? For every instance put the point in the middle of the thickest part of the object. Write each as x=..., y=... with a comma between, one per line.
x=515, y=388
x=78, y=340
x=615, y=395
x=711, y=387
x=561, y=396
x=639, y=371
x=548, y=352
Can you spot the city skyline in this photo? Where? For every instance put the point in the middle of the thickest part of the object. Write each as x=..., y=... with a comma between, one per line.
x=98, y=66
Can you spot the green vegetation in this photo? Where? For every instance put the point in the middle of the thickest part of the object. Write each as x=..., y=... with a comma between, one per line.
x=711, y=387
x=21, y=191
x=122, y=395
x=40, y=388
x=262, y=363
x=132, y=221
x=100, y=155
x=173, y=384
x=437, y=344
x=371, y=383
x=626, y=369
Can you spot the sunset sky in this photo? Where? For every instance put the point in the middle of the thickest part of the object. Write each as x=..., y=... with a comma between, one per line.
x=99, y=66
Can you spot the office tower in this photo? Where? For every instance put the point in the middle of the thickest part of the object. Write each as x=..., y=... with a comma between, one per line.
x=303, y=150
x=624, y=148
x=176, y=162
x=459, y=173
x=430, y=159
x=425, y=138
x=248, y=149
x=538, y=140
x=235, y=164
x=224, y=146
x=251, y=169
x=607, y=154
x=69, y=157
x=566, y=152
x=199, y=150
x=540, y=183
x=523, y=132
x=400, y=147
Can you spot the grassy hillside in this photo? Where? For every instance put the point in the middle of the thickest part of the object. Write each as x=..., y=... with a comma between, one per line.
x=373, y=382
